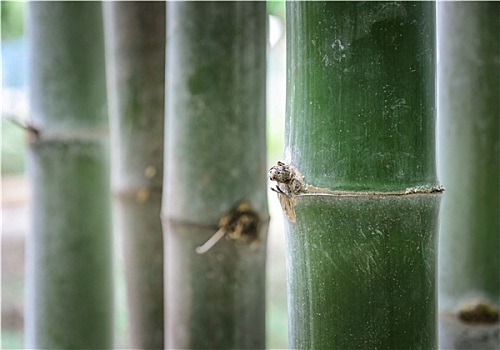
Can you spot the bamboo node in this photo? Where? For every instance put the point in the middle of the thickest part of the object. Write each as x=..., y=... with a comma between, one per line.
x=142, y=195
x=478, y=311
x=424, y=189
x=240, y=224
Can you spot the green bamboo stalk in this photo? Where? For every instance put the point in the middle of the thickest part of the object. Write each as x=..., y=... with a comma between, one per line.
x=469, y=90
x=361, y=229
x=215, y=158
x=69, y=282
x=135, y=46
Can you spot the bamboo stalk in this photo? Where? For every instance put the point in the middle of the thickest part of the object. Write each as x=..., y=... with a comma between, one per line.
x=469, y=90
x=361, y=228
x=69, y=282
x=215, y=179
x=135, y=43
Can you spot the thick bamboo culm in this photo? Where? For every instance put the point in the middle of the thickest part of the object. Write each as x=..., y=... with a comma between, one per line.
x=360, y=123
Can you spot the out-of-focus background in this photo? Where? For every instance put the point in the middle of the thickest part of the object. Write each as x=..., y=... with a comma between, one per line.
x=15, y=191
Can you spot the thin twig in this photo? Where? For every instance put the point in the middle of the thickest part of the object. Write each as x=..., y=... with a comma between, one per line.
x=211, y=241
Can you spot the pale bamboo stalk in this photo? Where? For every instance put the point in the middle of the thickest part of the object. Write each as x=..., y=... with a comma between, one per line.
x=135, y=50
x=216, y=160
x=69, y=260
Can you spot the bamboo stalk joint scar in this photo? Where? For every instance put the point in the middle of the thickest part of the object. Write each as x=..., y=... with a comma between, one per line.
x=240, y=224
x=291, y=184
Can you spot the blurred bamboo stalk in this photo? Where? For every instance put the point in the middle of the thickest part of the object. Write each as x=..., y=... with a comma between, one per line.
x=469, y=109
x=135, y=50
x=215, y=158
x=69, y=282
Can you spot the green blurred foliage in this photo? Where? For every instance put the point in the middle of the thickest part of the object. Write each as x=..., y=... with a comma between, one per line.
x=13, y=148
x=12, y=19
x=12, y=144
x=276, y=8
x=12, y=339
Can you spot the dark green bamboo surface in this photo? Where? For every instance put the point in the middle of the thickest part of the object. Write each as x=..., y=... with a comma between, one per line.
x=361, y=94
x=361, y=119
x=362, y=272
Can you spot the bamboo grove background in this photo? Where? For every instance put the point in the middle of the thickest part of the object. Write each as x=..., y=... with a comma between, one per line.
x=116, y=205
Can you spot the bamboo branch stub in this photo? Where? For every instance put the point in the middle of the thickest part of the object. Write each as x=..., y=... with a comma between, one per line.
x=240, y=224
x=478, y=311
